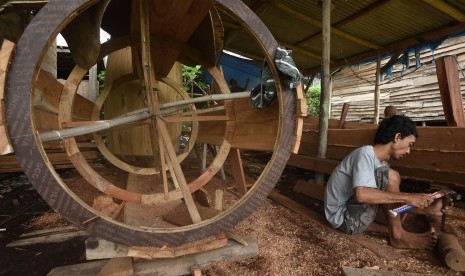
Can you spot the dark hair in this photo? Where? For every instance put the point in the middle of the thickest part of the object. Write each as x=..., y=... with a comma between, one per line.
x=389, y=127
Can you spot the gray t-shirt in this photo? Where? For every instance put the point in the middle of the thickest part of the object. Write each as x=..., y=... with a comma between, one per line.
x=356, y=170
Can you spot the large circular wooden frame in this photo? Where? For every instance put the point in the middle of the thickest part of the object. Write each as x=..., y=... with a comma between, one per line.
x=108, y=154
x=24, y=70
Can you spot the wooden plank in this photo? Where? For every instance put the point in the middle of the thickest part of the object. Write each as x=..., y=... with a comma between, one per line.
x=9, y=163
x=5, y=145
x=312, y=123
x=449, y=86
x=310, y=189
x=203, y=245
x=6, y=51
x=5, y=54
x=448, y=178
x=84, y=269
x=350, y=271
x=219, y=199
x=118, y=267
x=133, y=214
x=49, y=231
x=299, y=122
x=53, y=237
x=233, y=251
x=312, y=163
x=422, y=159
x=255, y=129
x=237, y=171
x=97, y=248
x=429, y=138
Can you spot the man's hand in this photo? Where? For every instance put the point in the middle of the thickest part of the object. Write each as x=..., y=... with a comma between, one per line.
x=420, y=201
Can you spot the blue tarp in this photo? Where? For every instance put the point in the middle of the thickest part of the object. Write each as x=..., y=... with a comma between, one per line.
x=239, y=69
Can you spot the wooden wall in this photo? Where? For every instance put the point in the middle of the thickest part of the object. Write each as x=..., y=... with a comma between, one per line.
x=414, y=94
x=431, y=159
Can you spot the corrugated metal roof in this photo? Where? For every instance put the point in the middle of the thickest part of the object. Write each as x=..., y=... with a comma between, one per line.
x=360, y=27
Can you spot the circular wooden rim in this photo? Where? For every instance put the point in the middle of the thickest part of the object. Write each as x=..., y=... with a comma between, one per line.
x=28, y=56
x=109, y=155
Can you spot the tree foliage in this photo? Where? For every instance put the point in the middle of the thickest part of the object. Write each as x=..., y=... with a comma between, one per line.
x=313, y=100
x=192, y=79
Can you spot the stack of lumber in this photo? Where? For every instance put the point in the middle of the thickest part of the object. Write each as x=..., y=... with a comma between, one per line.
x=414, y=91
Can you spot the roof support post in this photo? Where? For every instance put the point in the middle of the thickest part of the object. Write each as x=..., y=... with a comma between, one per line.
x=377, y=90
x=325, y=85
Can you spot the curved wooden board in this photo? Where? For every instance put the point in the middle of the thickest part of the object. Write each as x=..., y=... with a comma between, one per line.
x=6, y=51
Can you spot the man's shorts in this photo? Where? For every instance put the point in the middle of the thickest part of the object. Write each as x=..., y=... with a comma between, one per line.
x=358, y=216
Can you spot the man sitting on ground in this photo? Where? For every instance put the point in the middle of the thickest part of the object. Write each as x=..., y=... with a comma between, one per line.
x=363, y=180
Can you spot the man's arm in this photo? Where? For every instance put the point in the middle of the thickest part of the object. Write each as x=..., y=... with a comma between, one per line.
x=375, y=196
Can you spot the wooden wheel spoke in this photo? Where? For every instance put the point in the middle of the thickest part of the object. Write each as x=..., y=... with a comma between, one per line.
x=189, y=201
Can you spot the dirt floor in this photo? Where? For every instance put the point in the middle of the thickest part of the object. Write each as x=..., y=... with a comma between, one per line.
x=290, y=243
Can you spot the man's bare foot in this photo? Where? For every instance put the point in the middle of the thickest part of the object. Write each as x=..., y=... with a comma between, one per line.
x=409, y=240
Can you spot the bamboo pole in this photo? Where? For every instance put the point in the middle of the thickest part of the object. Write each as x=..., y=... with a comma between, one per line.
x=77, y=128
x=97, y=126
x=325, y=86
x=214, y=97
x=377, y=90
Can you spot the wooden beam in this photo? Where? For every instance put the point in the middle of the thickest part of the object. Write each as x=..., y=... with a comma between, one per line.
x=453, y=253
x=392, y=61
x=300, y=50
x=377, y=90
x=233, y=251
x=447, y=9
x=317, y=23
x=117, y=267
x=450, y=89
x=237, y=171
x=350, y=271
x=325, y=86
x=245, y=54
x=342, y=119
x=292, y=47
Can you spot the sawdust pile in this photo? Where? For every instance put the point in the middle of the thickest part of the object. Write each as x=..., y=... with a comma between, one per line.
x=290, y=244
